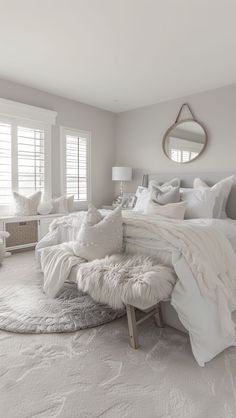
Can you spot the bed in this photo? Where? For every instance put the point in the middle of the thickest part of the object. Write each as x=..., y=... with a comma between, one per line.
x=226, y=228
x=169, y=314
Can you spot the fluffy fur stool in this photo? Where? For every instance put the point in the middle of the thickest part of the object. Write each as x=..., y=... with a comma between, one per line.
x=123, y=279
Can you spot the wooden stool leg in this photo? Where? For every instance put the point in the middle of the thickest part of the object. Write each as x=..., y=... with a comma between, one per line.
x=158, y=317
x=132, y=326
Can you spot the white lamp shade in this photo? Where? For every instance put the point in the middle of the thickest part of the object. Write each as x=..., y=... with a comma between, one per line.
x=121, y=173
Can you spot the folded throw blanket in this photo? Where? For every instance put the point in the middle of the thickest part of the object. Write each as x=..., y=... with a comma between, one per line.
x=56, y=263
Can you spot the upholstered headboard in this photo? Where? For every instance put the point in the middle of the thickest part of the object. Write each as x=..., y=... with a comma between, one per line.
x=209, y=178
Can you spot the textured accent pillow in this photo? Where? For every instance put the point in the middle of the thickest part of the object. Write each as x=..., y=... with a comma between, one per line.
x=200, y=202
x=165, y=194
x=102, y=238
x=171, y=210
x=224, y=188
x=26, y=205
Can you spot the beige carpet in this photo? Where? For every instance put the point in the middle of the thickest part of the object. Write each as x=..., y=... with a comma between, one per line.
x=94, y=372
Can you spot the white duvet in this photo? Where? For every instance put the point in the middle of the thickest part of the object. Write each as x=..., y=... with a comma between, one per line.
x=204, y=262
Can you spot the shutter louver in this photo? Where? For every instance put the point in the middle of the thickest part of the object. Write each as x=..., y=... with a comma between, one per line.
x=30, y=144
x=5, y=164
x=76, y=167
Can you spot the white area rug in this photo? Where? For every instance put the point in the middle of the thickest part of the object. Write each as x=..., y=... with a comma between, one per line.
x=94, y=373
x=25, y=308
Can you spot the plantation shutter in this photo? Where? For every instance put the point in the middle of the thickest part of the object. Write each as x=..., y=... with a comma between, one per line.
x=77, y=167
x=31, y=160
x=5, y=164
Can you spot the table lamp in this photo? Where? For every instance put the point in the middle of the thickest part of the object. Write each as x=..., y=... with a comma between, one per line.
x=121, y=174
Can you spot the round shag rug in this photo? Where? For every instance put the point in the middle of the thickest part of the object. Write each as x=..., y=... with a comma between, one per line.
x=24, y=308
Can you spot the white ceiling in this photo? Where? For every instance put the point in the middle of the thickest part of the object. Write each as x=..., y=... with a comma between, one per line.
x=119, y=54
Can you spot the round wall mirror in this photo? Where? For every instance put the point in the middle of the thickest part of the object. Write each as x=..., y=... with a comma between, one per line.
x=184, y=141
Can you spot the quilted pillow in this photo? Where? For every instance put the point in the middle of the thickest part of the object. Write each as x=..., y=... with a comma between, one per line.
x=100, y=239
x=26, y=205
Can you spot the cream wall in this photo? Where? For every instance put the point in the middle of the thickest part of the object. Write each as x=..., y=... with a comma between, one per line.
x=75, y=115
x=139, y=134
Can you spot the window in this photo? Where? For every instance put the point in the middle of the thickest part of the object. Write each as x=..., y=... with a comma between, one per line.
x=23, y=153
x=25, y=148
x=31, y=160
x=5, y=164
x=75, y=149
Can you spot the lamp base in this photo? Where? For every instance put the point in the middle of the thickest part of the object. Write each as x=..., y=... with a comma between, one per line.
x=118, y=201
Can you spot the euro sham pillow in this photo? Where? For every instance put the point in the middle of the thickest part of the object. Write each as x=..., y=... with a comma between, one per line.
x=224, y=188
x=26, y=205
x=102, y=238
x=171, y=210
x=200, y=202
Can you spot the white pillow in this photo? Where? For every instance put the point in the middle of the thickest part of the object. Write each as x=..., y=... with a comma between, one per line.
x=59, y=205
x=102, y=238
x=93, y=216
x=70, y=203
x=44, y=208
x=174, y=183
x=26, y=205
x=200, y=202
x=224, y=187
x=165, y=194
x=139, y=190
x=143, y=196
x=63, y=204
x=171, y=210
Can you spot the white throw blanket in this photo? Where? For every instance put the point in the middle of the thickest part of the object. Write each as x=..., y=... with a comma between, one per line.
x=206, y=268
x=56, y=263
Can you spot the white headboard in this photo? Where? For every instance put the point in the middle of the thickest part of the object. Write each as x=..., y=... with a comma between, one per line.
x=209, y=178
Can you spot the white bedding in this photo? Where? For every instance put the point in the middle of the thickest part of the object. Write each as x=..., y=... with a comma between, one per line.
x=203, y=299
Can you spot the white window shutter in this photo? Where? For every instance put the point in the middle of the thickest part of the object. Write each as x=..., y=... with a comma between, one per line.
x=5, y=164
x=31, y=160
x=76, y=172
